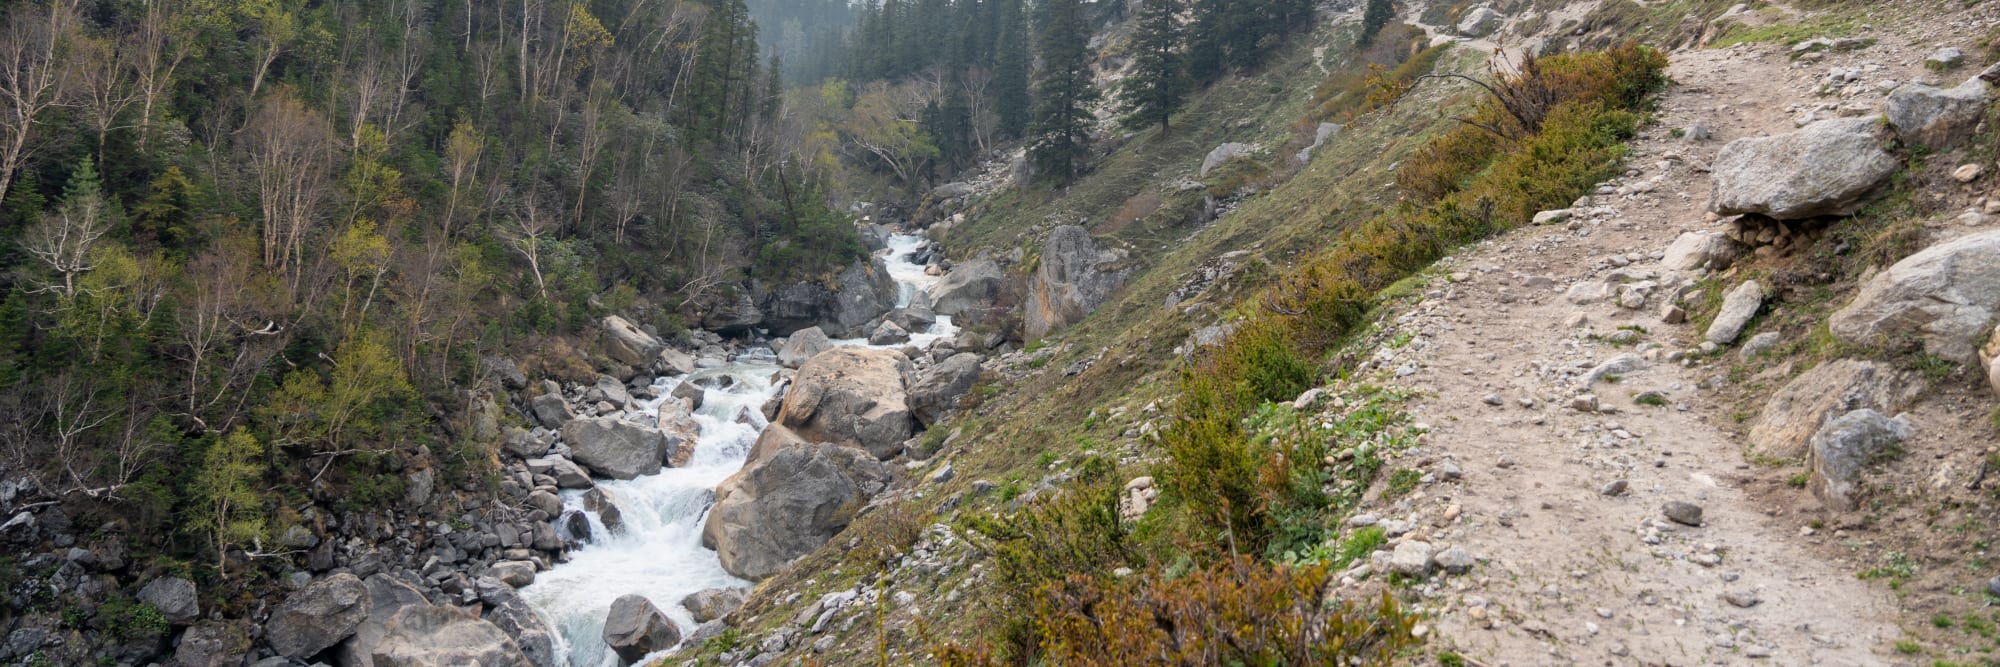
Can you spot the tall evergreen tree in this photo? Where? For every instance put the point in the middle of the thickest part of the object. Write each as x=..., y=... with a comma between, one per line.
x=1064, y=93
x=1010, y=70
x=1377, y=15
x=1158, y=84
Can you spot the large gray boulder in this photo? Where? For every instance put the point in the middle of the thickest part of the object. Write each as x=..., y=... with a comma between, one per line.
x=1479, y=22
x=972, y=285
x=787, y=503
x=1818, y=396
x=318, y=616
x=174, y=597
x=852, y=396
x=615, y=448
x=939, y=387
x=387, y=595
x=626, y=343
x=1223, y=154
x=1844, y=446
x=551, y=409
x=802, y=346
x=507, y=610
x=1938, y=118
x=1944, y=297
x=713, y=603
x=635, y=627
x=1831, y=167
x=423, y=636
x=1075, y=277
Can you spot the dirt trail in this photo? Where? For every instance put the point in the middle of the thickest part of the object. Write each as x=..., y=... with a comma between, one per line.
x=1569, y=573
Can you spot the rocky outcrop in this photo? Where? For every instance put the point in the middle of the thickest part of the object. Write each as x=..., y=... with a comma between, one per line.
x=938, y=388
x=971, y=285
x=635, y=627
x=1479, y=22
x=1223, y=154
x=787, y=503
x=1075, y=277
x=615, y=448
x=1841, y=448
x=1944, y=297
x=733, y=315
x=1831, y=167
x=852, y=396
x=318, y=616
x=422, y=636
x=802, y=346
x=856, y=297
x=1938, y=118
x=627, y=344
x=1816, y=397
x=174, y=597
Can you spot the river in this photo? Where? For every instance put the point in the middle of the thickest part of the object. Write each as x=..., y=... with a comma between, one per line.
x=659, y=553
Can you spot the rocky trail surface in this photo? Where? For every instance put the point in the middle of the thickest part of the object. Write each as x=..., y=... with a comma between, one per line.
x=1575, y=447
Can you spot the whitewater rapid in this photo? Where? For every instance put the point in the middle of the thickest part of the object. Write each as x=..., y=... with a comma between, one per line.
x=658, y=554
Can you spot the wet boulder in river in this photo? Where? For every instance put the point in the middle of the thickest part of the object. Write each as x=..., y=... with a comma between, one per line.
x=787, y=503
x=855, y=397
x=615, y=448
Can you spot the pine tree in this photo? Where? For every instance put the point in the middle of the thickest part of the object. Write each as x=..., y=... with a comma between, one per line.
x=774, y=89
x=1063, y=94
x=1377, y=15
x=1010, y=70
x=1159, y=84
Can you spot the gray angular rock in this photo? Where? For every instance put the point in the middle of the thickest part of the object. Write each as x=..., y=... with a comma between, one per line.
x=734, y=313
x=387, y=595
x=1223, y=154
x=938, y=388
x=212, y=644
x=634, y=628
x=1411, y=558
x=1844, y=446
x=971, y=285
x=888, y=333
x=423, y=636
x=318, y=616
x=713, y=603
x=674, y=362
x=802, y=346
x=614, y=448
x=1831, y=167
x=606, y=506
x=1618, y=365
x=174, y=597
x=522, y=444
x=1479, y=22
x=787, y=503
x=516, y=573
x=552, y=410
x=1695, y=250
x=1454, y=560
x=852, y=396
x=626, y=343
x=1074, y=278
x=1803, y=406
x=1945, y=297
x=567, y=474
x=1738, y=307
x=1682, y=512
x=1938, y=118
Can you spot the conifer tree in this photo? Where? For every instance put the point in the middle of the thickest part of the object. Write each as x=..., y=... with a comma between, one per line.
x=1158, y=84
x=1377, y=15
x=1063, y=94
x=1010, y=70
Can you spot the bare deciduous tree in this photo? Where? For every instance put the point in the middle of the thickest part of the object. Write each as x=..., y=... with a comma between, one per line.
x=155, y=52
x=62, y=240
x=32, y=40
x=528, y=230
x=291, y=152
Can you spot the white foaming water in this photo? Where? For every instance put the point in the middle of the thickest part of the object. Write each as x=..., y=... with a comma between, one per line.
x=659, y=553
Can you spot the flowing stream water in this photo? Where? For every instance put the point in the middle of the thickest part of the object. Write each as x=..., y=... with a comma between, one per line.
x=659, y=553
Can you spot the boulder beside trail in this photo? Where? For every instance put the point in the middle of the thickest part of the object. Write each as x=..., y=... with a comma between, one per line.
x=1806, y=404
x=787, y=503
x=1937, y=118
x=1846, y=445
x=938, y=388
x=1944, y=298
x=1831, y=167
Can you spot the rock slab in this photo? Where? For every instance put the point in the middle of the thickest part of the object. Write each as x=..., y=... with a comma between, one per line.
x=1831, y=167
